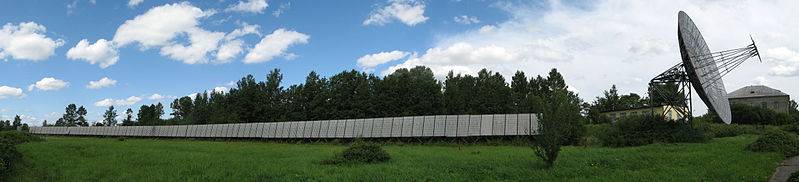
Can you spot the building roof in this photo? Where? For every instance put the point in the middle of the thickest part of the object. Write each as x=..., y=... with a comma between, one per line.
x=755, y=91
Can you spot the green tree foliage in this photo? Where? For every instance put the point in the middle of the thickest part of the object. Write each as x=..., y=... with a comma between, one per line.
x=81, y=121
x=559, y=124
x=151, y=115
x=611, y=101
x=109, y=117
x=70, y=116
x=128, y=121
x=17, y=122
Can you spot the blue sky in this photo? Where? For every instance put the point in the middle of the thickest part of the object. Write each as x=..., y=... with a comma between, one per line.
x=176, y=48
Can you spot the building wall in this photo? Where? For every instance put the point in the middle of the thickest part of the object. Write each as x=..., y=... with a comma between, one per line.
x=775, y=103
x=668, y=111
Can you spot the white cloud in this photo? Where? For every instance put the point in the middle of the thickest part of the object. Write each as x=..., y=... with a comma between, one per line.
x=156, y=97
x=610, y=42
x=221, y=89
x=133, y=3
x=202, y=42
x=6, y=92
x=760, y=80
x=487, y=28
x=372, y=60
x=5, y=110
x=104, y=82
x=159, y=25
x=410, y=12
x=231, y=83
x=463, y=19
x=232, y=46
x=27, y=41
x=251, y=6
x=120, y=102
x=281, y=9
x=52, y=116
x=102, y=52
x=785, y=60
x=48, y=83
x=244, y=30
x=275, y=44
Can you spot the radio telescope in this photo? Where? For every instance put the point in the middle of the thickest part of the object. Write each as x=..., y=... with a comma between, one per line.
x=702, y=69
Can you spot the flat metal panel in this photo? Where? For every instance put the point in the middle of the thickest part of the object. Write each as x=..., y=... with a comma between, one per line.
x=183, y=131
x=534, y=124
x=248, y=130
x=218, y=130
x=341, y=128
x=231, y=131
x=315, y=125
x=428, y=126
x=388, y=124
x=194, y=131
x=271, y=130
x=299, y=131
x=396, y=127
x=524, y=124
x=407, y=126
x=499, y=125
x=511, y=121
x=307, y=129
x=463, y=124
x=475, y=121
x=286, y=129
x=486, y=125
x=418, y=126
x=255, y=130
x=279, y=129
x=358, y=131
x=349, y=128
x=439, y=125
x=377, y=127
x=325, y=129
x=293, y=130
x=366, y=131
x=452, y=126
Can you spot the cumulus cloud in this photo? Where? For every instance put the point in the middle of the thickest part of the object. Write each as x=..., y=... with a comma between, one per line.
x=102, y=52
x=372, y=60
x=133, y=3
x=410, y=12
x=119, y=102
x=275, y=44
x=159, y=25
x=104, y=82
x=48, y=83
x=221, y=89
x=26, y=41
x=232, y=45
x=610, y=42
x=156, y=97
x=251, y=6
x=202, y=42
x=11, y=92
x=463, y=19
x=231, y=83
x=785, y=60
x=281, y=9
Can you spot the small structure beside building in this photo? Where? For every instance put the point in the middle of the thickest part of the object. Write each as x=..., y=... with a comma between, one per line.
x=761, y=96
x=669, y=111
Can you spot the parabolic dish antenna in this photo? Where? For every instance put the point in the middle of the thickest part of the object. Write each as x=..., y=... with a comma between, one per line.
x=702, y=69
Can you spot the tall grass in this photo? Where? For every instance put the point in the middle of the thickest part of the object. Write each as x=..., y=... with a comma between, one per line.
x=107, y=159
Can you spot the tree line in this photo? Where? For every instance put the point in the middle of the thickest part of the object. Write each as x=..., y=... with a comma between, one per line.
x=12, y=125
x=349, y=94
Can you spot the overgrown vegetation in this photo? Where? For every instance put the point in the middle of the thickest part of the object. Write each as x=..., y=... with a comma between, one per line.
x=560, y=124
x=794, y=177
x=776, y=141
x=8, y=151
x=360, y=153
x=648, y=129
x=79, y=158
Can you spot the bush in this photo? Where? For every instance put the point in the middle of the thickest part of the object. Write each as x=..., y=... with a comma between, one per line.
x=17, y=137
x=729, y=130
x=364, y=153
x=793, y=128
x=776, y=141
x=8, y=152
x=794, y=177
x=121, y=139
x=647, y=129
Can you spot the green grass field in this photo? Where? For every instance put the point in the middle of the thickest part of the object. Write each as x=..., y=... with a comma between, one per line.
x=108, y=159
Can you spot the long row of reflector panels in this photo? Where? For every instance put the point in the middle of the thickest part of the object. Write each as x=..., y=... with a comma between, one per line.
x=411, y=126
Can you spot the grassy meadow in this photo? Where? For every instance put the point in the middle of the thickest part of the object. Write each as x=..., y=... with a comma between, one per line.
x=109, y=159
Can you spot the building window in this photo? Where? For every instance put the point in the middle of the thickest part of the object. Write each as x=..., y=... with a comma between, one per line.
x=668, y=114
x=644, y=112
x=764, y=104
x=776, y=105
x=633, y=113
x=622, y=115
x=613, y=117
x=752, y=104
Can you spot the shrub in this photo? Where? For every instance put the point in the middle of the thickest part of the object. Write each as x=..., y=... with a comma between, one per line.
x=730, y=130
x=776, y=141
x=363, y=153
x=8, y=152
x=793, y=128
x=17, y=137
x=647, y=129
x=794, y=177
x=121, y=139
